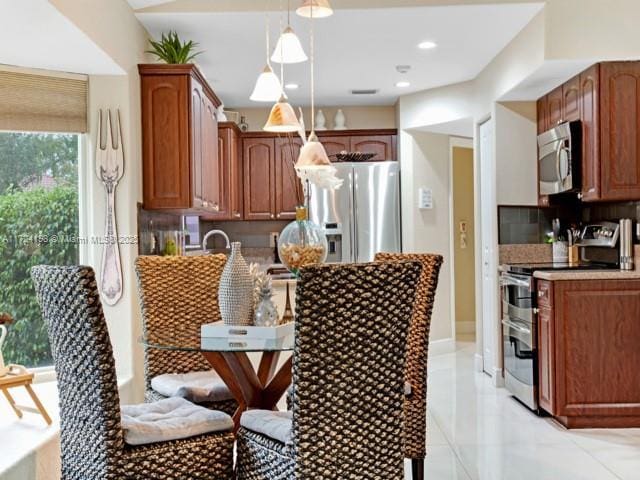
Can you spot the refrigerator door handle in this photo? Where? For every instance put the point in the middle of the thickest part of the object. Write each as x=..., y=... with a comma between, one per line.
x=355, y=217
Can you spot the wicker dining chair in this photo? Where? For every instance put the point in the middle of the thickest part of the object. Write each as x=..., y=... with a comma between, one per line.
x=415, y=402
x=351, y=331
x=177, y=295
x=92, y=437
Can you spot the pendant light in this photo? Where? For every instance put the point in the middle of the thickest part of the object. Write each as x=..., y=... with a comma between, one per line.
x=268, y=87
x=282, y=118
x=289, y=49
x=313, y=163
x=321, y=9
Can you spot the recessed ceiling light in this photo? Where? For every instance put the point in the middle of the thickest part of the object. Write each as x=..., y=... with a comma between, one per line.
x=403, y=84
x=427, y=45
x=292, y=86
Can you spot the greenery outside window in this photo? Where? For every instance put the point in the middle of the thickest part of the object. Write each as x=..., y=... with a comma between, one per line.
x=38, y=225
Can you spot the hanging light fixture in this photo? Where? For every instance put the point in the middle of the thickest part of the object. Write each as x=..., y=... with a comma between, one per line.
x=321, y=9
x=282, y=118
x=313, y=165
x=268, y=87
x=289, y=49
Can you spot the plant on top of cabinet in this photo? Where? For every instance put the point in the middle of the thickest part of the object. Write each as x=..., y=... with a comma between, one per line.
x=170, y=49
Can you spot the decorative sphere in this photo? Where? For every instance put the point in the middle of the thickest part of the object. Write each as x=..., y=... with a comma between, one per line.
x=302, y=243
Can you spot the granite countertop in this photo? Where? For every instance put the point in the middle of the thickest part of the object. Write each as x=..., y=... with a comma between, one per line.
x=588, y=275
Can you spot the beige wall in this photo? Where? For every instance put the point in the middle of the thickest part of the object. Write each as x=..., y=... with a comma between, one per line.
x=113, y=27
x=425, y=162
x=357, y=117
x=463, y=250
x=515, y=155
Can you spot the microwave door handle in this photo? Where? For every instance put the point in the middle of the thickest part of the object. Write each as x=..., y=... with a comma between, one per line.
x=558, y=156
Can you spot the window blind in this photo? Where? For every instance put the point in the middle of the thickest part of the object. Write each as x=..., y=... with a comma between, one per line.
x=42, y=103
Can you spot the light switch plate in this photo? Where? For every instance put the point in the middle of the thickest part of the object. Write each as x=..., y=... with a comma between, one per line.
x=425, y=198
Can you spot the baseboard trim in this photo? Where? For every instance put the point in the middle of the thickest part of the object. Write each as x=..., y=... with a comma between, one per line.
x=478, y=362
x=442, y=347
x=498, y=378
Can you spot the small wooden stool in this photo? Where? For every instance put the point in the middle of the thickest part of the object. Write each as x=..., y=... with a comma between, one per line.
x=20, y=377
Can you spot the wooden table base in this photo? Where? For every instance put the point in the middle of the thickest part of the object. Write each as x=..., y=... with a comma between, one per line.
x=262, y=389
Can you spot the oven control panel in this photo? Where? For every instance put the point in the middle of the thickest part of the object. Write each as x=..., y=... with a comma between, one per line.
x=603, y=234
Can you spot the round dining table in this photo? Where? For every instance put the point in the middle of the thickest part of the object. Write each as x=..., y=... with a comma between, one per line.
x=260, y=387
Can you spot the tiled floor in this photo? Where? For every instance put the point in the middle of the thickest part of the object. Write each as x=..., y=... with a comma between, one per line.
x=479, y=432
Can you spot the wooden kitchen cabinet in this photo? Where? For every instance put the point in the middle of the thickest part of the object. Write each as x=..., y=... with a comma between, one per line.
x=589, y=115
x=620, y=131
x=588, y=340
x=380, y=145
x=258, y=163
x=181, y=170
x=230, y=162
x=334, y=145
x=605, y=99
x=286, y=200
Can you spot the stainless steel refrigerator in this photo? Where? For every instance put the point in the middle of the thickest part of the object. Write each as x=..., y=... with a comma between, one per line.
x=362, y=217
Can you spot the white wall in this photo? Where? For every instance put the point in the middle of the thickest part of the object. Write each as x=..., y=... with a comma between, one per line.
x=112, y=25
x=425, y=162
x=515, y=157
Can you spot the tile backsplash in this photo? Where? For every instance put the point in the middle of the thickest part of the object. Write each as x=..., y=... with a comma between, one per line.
x=527, y=225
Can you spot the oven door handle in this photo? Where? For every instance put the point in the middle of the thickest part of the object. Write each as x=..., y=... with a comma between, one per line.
x=508, y=280
x=510, y=324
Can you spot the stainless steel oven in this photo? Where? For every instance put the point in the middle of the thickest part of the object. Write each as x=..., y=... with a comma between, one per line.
x=559, y=157
x=519, y=337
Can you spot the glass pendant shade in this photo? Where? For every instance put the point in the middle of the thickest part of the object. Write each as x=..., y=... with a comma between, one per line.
x=268, y=87
x=302, y=243
x=289, y=49
x=321, y=9
x=282, y=118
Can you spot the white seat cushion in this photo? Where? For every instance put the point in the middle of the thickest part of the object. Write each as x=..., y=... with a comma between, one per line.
x=276, y=425
x=170, y=419
x=198, y=387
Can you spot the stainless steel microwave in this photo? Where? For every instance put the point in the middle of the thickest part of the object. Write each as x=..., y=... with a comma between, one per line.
x=559, y=158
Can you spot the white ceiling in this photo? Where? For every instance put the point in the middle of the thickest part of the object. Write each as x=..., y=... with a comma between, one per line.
x=34, y=34
x=355, y=49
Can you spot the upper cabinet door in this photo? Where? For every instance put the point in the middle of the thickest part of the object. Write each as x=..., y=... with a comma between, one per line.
x=197, y=110
x=213, y=174
x=589, y=115
x=571, y=100
x=165, y=151
x=554, y=107
x=286, y=179
x=620, y=127
x=231, y=163
x=335, y=145
x=543, y=115
x=380, y=145
x=259, y=177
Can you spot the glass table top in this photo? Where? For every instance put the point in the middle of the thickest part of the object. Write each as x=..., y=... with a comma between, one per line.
x=182, y=341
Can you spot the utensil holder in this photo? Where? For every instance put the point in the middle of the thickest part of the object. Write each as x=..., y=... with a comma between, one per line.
x=560, y=252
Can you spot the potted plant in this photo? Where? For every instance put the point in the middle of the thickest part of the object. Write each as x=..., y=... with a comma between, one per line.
x=171, y=50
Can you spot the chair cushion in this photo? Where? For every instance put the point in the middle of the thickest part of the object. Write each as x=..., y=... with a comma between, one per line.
x=198, y=387
x=170, y=419
x=275, y=425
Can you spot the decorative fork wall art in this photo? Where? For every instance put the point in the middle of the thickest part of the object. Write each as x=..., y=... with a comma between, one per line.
x=109, y=169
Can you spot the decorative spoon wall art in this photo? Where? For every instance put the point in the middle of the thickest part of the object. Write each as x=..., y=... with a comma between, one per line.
x=109, y=169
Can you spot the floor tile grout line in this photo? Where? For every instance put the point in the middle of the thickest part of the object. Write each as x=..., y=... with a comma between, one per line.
x=606, y=467
x=451, y=447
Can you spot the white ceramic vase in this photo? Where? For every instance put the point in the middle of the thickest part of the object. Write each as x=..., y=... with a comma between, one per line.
x=235, y=295
x=339, y=122
x=321, y=121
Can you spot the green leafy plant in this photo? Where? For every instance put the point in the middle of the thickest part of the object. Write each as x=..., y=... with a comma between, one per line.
x=36, y=227
x=170, y=49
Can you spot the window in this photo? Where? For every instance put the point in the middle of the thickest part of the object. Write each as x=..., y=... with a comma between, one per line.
x=38, y=225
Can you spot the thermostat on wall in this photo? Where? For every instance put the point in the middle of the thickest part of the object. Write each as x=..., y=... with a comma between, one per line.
x=425, y=198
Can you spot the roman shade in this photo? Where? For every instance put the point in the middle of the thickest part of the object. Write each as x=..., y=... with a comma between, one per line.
x=43, y=103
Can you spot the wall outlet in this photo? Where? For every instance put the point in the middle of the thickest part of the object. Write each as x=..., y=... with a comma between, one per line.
x=273, y=239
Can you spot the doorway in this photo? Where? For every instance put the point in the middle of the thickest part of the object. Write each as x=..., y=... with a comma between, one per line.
x=463, y=224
